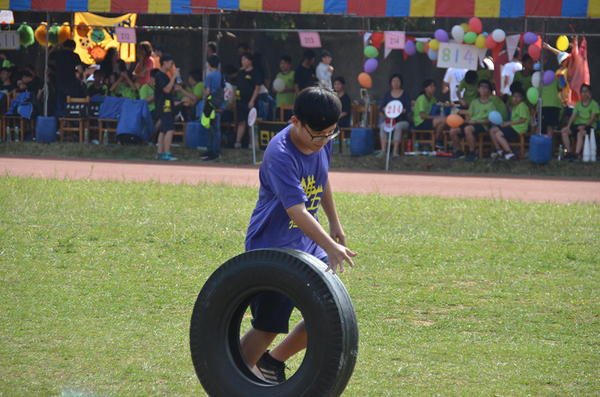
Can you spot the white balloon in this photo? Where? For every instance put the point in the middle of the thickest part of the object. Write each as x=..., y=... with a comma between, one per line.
x=535, y=79
x=498, y=35
x=228, y=92
x=458, y=33
x=279, y=85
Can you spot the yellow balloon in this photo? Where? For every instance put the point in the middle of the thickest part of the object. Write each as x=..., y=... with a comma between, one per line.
x=480, y=41
x=465, y=27
x=434, y=44
x=562, y=43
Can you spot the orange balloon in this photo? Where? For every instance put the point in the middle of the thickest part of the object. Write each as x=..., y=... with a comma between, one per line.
x=364, y=79
x=454, y=120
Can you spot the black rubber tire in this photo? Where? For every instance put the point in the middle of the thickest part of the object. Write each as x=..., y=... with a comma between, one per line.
x=322, y=299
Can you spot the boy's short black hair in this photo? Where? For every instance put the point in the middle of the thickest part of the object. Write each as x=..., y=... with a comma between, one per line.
x=248, y=56
x=486, y=83
x=516, y=85
x=196, y=74
x=519, y=90
x=244, y=45
x=325, y=53
x=69, y=44
x=154, y=72
x=165, y=58
x=526, y=58
x=471, y=77
x=585, y=86
x=340, y=79
x=213, y=61
x=396, y=75
x=212, y=45
x=286, y=58
x=100, y=73
x=308, y=54
x=160, y=48
x=318, y=107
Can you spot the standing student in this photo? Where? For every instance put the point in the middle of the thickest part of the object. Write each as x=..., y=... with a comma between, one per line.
x=324, y=69
x=287, y=95
x=214, y=81
x=508, y=73
x=452, y=79
x=248, y=83
x=306, y=74
x=164, y=103
x=294, y=184
x=339, y=85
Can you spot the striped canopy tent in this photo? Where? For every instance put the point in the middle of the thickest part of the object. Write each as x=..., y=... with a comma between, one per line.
x=360, y=8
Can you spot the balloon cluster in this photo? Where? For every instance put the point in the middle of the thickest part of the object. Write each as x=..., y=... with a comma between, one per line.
x=364, y=79
x=535, y=45
x=56, y=34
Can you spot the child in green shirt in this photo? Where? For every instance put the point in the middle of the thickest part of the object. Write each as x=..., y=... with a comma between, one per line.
x=476, y=122
x=125, y=87
x=507, y=131
x=422, y=118
x=470, y=88
x=524, y=77
x=580, y=123
x=287, y=95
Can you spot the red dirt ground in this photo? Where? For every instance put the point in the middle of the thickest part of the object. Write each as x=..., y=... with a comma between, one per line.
x=387, y=183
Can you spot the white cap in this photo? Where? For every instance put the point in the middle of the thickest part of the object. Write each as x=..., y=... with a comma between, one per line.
x=562, y=56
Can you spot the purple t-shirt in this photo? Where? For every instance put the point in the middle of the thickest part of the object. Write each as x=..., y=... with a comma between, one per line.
x=287, y=177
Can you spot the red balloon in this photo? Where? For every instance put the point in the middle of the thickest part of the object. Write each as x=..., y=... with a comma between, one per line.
x=427, y=48
x=475, y=25
x=489, y=42
x=535, y=52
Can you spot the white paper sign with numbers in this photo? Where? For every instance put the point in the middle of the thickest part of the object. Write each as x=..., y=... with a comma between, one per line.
x=461, y=56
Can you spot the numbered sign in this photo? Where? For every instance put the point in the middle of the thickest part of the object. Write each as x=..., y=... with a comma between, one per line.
x=393, y=109
x=228, y=92
x=7, y=17
x=9, y=40
x=252, y=117
x=389, y=125
x=126, y=35
x=310, y=39
x=395, y=40
x=461, y=56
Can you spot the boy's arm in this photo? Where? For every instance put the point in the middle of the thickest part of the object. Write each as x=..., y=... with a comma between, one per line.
x=254, y=96
x=570, y=122
x=336, y=253
x=169, y=87
x=335, y=227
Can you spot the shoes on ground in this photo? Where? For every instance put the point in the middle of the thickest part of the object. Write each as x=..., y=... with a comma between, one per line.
x=471, y=157
x=237, y=145
x=439, y=144
x=271, y=369
x=498, y=155
x=459, y=154
x=167, y=157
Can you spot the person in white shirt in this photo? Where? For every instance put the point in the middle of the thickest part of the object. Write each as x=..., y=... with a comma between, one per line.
x=452, y=79
x=508, y=73
x=324, y=69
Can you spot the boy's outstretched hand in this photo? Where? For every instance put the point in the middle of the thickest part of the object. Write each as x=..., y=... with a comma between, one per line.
x=337, y=254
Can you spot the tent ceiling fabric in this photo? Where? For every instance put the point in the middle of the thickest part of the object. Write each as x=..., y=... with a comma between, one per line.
x=373, y=8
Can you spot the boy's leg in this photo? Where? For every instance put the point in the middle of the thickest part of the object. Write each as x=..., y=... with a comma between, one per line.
x=493, y=132
x=241, y=130
x=580, y=140
x=254, y=343
x=293, y=343
x=566, y=140
x=455, y=138
x=167, y=141
x=439, y=123
x=216, y=135
x=160, y=145
x=503, y=142
x=469, y=130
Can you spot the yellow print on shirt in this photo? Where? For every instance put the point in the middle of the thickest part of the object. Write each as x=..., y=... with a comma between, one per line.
x=312, y=193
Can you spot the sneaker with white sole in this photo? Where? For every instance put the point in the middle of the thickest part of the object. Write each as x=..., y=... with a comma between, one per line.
x=167, y=157
x=498, y=155
x=237, y=145
x=271, y=369
x=510, y=157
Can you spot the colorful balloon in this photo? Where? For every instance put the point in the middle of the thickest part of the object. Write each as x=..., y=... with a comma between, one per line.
x=465, y=27
x=549, y=77
x=420, y=46
x=495, y=117
x=562, y=43
x=432, y=54
x=410, y=48
x=279, y=85
x=475, y=25
x=534, y=52
x=371, y=52
x=53, y=35
x=530, y=38
x=535, y=79
x=434, y=44
x=498, y=35
x=442, y=36
x=533, y=94
x=490, y=43
x=26, y=35
x=426, y=49
x=480, y=42
x=458, y=33
x=470, y=37
x=64, y=32
x=371, y=65
x=364, y=79
x=454, y=121
x=40, y=33
x=536, y=66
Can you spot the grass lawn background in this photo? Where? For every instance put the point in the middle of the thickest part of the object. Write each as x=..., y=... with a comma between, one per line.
x=454, y=297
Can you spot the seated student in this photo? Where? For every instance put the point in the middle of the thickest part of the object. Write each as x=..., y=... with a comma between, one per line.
x=553, y=98
x=500, y=106
x=422, y=118
x=580, y=123
x=124, y=86
x=476, y=122
x=97, y=87
x=397, y=93
x=7, y=85
x=507, y=131
x=339, y=85
x=287, y=95
x=188, y=97
x=470, y=88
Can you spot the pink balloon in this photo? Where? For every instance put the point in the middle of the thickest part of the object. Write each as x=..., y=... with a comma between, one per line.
x=549, y=77
x=489, y=42
x=371, y=65
x=530, y=38
x=442, y=36
x=475, y=25
x=535, y=52
x=410, y=48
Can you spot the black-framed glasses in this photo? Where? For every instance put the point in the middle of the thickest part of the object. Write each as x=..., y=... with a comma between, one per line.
x=320, y=138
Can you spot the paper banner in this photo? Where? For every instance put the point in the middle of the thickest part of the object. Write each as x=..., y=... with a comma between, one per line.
x=395, y=40
x=512, y=43
x=92, y=43
x=387, y=52
x=310, y=39
x=377, y=39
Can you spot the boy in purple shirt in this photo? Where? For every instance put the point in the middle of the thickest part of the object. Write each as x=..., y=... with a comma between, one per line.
x=294, y=183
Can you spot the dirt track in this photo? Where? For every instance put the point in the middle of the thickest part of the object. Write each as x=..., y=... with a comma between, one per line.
x=508, y=188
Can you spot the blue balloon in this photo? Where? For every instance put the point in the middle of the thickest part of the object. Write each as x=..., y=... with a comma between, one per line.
x=495, y=117
x=536, y=66
x=485, y=34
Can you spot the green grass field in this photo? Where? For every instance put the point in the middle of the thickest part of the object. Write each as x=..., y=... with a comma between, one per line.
x=454, y=297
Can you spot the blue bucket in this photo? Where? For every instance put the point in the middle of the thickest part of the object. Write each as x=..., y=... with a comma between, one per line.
x=45, y=129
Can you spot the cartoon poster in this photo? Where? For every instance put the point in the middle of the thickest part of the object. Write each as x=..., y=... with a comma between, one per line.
x=95, y=34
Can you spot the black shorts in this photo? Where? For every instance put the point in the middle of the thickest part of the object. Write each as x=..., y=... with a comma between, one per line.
x=242, y=111
x=271, y=311
x=427, y=124
x=479, y=128
x=575, y=130
x=550, y=117
x=154, y=115
x=167, y=123
x=509, y=133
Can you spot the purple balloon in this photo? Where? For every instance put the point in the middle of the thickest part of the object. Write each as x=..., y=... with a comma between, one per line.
x=371, y=65
x=442, y=36
x=410, y=48
x=549, y=77
x=530, y=38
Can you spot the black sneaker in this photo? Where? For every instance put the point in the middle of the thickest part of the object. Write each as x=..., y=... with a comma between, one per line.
x=471, y=157
x=211, y=157
x=439, y=144
x=574, y=158
x=271, y=369
x=206, y=155
x=459, y=154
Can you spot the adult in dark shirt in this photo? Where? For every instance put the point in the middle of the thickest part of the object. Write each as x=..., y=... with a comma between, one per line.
x=339, y=85
x=306, y=74
x=35, y=84
x=67, y=63
x=248, y=84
